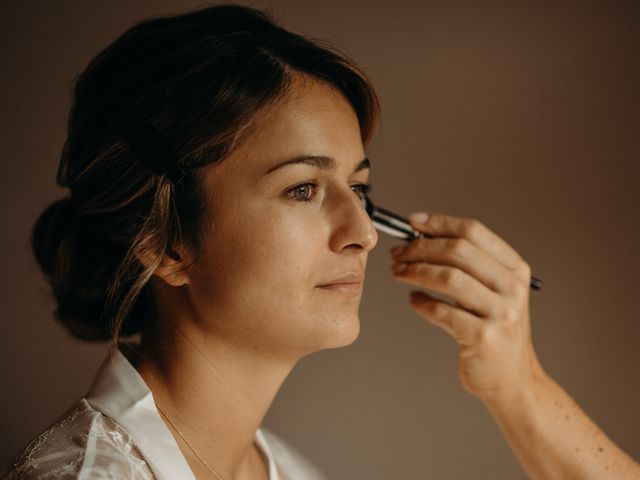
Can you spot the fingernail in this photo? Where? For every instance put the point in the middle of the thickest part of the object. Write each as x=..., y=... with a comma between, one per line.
x=419, y=217
x=400, y=267
x=397, y=249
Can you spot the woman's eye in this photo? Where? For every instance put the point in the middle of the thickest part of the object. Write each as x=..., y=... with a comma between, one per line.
x=301, y=193
x=362, y=189
x=305, y=191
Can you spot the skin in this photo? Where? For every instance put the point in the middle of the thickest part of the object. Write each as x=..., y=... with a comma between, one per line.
x=234, y=323
x=241, y=316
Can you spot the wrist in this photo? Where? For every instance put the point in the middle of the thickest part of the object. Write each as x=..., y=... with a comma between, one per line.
x=522, y=395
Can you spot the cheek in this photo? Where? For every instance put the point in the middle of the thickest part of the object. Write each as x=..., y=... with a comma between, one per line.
x=257, y=284
x=259, y=257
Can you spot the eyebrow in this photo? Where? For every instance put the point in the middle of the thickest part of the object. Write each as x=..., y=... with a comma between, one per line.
x=319, y=161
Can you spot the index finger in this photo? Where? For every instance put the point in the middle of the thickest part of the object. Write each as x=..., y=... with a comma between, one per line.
x=440, y=224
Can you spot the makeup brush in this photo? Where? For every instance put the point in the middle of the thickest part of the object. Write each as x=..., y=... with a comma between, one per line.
x=397, y=226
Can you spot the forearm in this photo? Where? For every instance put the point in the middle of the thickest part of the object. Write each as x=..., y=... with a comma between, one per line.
x=553, y=438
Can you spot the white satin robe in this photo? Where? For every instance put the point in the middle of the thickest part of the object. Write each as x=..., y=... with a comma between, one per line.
x=115, y=432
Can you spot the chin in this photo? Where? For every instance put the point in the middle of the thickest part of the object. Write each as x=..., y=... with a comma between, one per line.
x=340, y=332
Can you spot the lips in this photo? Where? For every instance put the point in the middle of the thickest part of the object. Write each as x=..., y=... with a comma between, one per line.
x=350, y=279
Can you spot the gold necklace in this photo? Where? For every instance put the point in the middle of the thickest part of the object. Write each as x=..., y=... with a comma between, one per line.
x=213, y=472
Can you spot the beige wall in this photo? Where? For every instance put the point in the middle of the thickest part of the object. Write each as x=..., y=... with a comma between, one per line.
x=525, y=117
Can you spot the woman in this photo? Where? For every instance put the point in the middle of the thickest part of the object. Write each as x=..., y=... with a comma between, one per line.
x=216, y=166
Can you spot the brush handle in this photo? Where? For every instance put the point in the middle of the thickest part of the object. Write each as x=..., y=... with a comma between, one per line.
x=396, y=226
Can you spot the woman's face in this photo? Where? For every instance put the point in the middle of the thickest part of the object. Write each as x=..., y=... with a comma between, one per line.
x=274, y=235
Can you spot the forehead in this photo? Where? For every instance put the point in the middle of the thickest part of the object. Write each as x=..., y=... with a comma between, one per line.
x=311, y=118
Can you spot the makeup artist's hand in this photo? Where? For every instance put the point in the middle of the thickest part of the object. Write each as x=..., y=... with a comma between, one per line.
x=489, y=283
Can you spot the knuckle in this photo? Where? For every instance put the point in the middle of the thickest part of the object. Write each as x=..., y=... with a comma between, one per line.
x=459, y=328
x=520, y=290
x=457, y=247
x=439, y=309
x=512, y=284
x=411, y=249
x=416, y=268
x=486, y=335
x=471, y=228
x=525, y=270
x=510, y=315
x=448, y=276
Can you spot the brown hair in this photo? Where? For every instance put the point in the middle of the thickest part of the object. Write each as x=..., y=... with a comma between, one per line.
x=199, y=78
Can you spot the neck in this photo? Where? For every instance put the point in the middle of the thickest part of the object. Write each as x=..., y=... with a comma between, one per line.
x=216, y=393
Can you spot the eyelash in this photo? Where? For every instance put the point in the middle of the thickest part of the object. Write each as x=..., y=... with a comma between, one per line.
x=363, y=189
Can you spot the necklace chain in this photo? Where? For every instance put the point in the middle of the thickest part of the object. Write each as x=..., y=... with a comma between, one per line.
x=213, y=472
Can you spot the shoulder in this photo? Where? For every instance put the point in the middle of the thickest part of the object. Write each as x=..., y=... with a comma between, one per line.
x=82, y=444
x=291, y=463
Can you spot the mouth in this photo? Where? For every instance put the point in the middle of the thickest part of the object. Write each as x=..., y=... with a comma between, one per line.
x=346, y=288
x=350, y=284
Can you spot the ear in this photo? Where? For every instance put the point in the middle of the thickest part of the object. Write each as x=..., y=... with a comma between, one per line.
x=173, y=267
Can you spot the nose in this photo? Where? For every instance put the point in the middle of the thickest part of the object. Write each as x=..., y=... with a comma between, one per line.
x=352, y=226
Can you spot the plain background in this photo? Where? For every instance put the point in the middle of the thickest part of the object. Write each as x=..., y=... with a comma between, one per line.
x=525, y=116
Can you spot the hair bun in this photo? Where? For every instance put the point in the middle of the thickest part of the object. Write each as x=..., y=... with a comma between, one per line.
x=79, y=264
x=50, y=231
